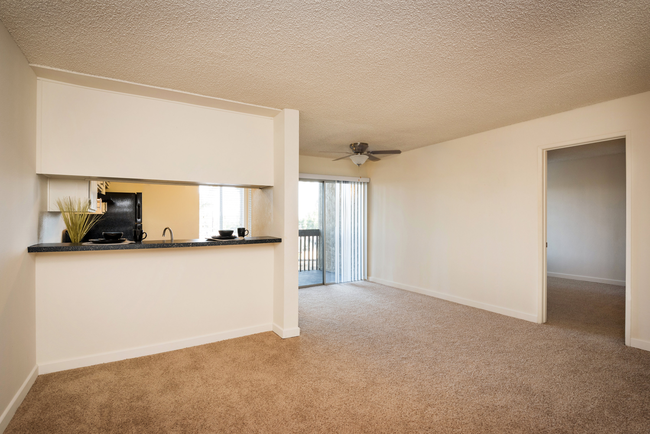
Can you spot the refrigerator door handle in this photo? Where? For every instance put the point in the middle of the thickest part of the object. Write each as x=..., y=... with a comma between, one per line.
x=138, y=207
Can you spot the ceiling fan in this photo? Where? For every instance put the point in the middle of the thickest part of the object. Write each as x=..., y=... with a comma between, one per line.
x=360, y=153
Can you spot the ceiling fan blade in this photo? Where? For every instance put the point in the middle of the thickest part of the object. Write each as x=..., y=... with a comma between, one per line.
x=373, y=158
x=340, y=158
x=385, y=152
x=336, y=152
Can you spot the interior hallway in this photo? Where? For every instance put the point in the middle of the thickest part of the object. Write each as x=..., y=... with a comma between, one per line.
x=373, y=359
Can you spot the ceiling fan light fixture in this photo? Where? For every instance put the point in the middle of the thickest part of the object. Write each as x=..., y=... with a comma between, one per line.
x=358, y=159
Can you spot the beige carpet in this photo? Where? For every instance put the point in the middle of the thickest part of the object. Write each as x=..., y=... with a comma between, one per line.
x=374, y=359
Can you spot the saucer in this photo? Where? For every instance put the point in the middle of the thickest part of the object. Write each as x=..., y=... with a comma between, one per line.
x=220, y=238
x=105, y=241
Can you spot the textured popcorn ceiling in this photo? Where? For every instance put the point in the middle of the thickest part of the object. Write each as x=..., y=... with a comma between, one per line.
x=395, y=74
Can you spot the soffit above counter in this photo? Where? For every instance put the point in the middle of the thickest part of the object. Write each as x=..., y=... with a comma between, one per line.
x=92, y=133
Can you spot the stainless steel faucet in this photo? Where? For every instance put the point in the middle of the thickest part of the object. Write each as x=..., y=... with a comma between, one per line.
x=171, y=233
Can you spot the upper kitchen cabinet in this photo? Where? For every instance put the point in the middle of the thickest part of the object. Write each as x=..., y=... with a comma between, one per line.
x=104, y=134
x=74, y=188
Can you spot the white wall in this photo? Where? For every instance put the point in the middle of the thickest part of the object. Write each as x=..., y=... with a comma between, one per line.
x=462, y=219
x=97, y=133
x=139, y=302
x=586, y=218
x=19, y=196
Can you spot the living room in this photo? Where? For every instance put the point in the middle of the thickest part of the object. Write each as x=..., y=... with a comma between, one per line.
x=475, y=97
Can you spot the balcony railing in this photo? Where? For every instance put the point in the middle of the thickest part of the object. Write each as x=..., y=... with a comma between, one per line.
x=309, y=250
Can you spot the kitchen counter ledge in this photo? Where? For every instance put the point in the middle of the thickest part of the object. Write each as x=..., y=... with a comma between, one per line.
x=153, y=244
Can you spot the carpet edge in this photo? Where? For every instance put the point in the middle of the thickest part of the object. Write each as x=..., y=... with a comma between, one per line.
x=286, y=333
x=587, y=278
x=18, y=398
x=147, y=350
x=460, y=300
x=640, y=344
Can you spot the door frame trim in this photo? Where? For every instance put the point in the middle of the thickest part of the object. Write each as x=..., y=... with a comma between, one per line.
x=542, y=229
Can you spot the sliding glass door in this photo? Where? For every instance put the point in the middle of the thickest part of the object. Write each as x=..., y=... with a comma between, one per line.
x=332, y=232
x=310, y=225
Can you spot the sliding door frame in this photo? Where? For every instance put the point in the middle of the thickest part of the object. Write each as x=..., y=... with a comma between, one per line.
x=323, y=179
x=321, y=252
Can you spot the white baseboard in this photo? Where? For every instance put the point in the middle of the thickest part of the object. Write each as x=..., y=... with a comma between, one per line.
x=9, y=412
x=587, y=278
x=286, y=333
x=459, y=300
x=640, y=344
x=114, y=356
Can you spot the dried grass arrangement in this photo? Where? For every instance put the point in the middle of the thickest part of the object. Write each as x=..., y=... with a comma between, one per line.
x=78, y=221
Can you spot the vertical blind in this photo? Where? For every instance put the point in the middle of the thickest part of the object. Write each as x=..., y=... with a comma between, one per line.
x=220, y=208
x=345, y=204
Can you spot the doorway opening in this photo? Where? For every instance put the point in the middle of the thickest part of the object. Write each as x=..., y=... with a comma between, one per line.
x=586, y=232
x=332, y=232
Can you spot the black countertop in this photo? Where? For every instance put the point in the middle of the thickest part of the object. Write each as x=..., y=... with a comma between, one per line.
x=153, y=244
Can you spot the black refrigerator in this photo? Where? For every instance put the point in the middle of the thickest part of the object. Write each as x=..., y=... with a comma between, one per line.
x=123, y=213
